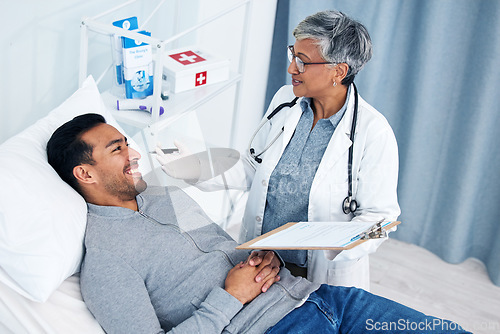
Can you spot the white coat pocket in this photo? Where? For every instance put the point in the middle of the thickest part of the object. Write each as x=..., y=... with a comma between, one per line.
x=338, y=192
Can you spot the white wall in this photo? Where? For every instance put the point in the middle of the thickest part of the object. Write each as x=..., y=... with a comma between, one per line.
x=225, y=39
x=40, y=58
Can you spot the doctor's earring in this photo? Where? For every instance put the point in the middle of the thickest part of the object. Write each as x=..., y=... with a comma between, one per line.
x=335, y=84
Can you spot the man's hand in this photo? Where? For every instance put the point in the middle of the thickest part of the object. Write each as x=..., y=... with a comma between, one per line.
x=267, y=261
x=241, y=280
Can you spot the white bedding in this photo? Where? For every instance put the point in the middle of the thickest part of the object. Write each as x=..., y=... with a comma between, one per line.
x=63, y=312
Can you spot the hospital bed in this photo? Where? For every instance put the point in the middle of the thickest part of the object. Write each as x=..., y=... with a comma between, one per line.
x=42, y=224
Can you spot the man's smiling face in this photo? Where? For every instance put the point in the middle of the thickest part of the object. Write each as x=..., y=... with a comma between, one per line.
x=116, y=164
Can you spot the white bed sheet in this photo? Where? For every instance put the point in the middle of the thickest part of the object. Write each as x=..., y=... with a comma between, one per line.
x=63, y=312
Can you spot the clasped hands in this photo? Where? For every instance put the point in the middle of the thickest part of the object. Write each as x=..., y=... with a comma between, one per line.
x=249, y=279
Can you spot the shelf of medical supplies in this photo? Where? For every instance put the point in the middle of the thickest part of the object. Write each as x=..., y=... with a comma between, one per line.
x=179, y=104
x=175, y=107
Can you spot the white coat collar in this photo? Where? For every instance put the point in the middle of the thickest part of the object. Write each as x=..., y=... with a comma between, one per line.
x=340, y=142
x=291, y=123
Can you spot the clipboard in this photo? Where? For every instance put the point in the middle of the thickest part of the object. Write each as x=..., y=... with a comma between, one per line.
x=315, y=235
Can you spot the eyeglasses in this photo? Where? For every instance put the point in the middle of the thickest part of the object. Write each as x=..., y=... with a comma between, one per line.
x=301, y=66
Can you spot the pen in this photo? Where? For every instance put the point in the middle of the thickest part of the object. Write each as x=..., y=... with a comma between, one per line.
x=356, y=237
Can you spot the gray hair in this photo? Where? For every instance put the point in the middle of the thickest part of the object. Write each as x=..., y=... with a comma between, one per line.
x=340, y=39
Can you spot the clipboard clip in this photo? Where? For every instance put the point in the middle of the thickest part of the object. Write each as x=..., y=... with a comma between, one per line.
x=377, y=231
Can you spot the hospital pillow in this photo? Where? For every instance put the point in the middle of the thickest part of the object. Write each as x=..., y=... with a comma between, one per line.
x=42, y=219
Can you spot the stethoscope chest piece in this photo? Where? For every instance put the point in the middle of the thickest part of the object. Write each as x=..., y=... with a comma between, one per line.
x=349, y=205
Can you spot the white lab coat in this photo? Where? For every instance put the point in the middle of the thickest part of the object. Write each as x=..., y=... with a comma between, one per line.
x=375, y=177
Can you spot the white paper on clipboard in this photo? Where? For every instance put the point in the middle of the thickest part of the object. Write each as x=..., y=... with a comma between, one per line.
x=314, y=235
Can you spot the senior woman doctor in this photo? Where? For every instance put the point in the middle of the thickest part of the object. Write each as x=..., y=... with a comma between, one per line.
x=304, y=175
x=298, y=165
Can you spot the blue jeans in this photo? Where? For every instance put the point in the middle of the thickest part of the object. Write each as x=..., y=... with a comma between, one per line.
x=334, y=309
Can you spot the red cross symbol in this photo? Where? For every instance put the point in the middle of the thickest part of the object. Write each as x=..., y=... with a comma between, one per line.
x=187, y=57
x=201, y=79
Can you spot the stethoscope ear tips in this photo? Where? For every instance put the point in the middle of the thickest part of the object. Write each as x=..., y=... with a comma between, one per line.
x=252, y=153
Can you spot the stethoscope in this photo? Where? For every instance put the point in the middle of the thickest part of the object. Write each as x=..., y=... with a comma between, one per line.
x=349, y=204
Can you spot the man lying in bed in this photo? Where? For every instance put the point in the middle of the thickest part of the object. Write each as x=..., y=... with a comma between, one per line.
x=155, y=262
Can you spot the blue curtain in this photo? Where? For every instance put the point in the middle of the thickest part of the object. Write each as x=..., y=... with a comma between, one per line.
x=435, y=75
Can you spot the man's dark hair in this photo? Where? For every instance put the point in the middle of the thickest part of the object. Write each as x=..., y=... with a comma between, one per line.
x=66, y=149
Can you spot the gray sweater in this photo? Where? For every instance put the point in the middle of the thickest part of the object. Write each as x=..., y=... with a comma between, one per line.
x=163, y=269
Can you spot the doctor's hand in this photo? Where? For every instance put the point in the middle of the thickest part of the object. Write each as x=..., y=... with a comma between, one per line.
x=267, y=262
x=240, y=282
x=180, y=165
